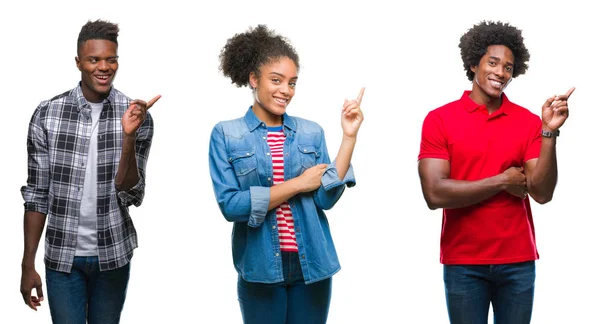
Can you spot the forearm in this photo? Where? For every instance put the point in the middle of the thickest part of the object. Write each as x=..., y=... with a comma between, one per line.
x=283, y=192
x=342, y=161
x=448, y=193
x=542, y=181
x=33, y=226
x=127, y=173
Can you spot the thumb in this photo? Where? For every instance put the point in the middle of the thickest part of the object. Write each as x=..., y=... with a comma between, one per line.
x=40, y=293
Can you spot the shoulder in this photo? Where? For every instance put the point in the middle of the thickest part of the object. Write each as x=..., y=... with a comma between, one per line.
x=58, y=102
x=233, y=127
x=306, y=126
x=525, y=113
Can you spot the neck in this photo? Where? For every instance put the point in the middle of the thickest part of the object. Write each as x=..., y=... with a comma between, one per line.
x=491, y=103
x=267, y=117
x=92, y=96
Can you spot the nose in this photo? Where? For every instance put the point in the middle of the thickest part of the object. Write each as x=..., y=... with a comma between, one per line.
x=103, y=65
x=285, y=89
x=501, y=72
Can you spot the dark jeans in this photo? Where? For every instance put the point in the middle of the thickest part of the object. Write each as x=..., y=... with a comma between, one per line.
x=290, y=302
x=471, y=288
x=87, y=293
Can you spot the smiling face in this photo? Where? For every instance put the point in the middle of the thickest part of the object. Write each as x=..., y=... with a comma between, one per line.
x=274, y=89
x=493, y=74
x=97, y=61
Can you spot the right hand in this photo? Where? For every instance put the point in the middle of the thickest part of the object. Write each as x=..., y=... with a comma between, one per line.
x=516, y=181
x=311, y=178
x=31, y=279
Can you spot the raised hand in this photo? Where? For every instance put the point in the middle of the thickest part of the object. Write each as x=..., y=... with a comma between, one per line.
x=516, y=181
x=555, y=111
x=135, y=115
x=352, y=116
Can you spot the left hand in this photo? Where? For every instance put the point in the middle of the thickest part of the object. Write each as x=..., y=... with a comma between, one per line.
x=555, y=111
x=135, y=115
x=352, y=116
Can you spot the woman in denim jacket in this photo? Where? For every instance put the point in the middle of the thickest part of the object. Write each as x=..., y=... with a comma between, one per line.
x=272, y=178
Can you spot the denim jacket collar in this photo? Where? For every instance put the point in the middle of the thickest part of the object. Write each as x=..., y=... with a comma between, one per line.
x=253, y=122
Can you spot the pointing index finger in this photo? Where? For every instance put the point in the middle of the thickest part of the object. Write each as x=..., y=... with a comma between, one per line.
x=152, y=101
x=568, y=94
x=360, y=95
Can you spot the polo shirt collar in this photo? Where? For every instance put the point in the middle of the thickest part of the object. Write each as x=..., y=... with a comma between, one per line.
x=471, y=106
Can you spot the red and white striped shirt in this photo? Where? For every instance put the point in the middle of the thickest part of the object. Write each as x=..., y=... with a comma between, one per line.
x=285, y=221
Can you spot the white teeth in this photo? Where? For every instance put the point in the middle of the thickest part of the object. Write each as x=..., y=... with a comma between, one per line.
x=281, y=100
x=496, y=83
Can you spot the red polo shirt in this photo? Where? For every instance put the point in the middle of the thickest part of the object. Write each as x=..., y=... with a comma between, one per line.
x=478, y=146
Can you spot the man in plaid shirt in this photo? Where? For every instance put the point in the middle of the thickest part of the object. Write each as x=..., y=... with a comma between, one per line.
x=87, y=153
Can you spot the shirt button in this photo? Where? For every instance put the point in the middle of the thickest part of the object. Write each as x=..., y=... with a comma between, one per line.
x=304, y=150
x=269, y=179
x=274, y=227
x=276, y=254
x=268, y=153
x=286, y=154
x=264, y=137
x=247, y=153
x=303, y=256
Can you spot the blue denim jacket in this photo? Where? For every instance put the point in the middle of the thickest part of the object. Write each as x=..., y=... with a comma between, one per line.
x=241, y=170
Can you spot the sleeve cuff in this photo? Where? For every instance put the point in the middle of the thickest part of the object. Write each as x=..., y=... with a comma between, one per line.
x=331, y=179
x=36, y=207
x=132, y=196
x=259, y=205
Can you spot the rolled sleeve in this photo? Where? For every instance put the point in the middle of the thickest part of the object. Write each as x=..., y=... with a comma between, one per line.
x=332, y=187
x=236, y=205
x=259, y=205
x=135, y=195
x=35, y=193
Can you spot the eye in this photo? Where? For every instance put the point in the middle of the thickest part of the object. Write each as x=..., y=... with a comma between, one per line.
x=292, y=84
x=112, y=60
x=275, y=80
x=93, y=60
x=509, y=68
x=492, y=63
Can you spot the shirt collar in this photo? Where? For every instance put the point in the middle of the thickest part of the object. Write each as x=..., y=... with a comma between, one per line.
x=253, y=122
x=471, y=106
x=82, y=102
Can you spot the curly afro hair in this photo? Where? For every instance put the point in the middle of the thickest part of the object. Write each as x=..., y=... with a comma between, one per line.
x=474, y=43
x=247, y=52
x=98, y=29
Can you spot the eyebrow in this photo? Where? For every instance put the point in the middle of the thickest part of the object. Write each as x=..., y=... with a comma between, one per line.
x=98, y=57
x=498, y=59
x=283, y=76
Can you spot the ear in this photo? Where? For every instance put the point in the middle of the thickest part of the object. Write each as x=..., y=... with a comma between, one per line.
x=253, y=80
x=78, y=63
x=474, y=68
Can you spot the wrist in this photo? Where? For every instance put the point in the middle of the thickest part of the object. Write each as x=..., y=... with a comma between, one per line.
x=349, y=138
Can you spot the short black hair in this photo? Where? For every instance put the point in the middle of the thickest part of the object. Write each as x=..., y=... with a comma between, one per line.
x=474, y=43
x=99, y=29
x=247, y=52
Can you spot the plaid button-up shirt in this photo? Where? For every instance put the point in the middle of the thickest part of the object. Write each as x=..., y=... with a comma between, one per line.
x=57, y=147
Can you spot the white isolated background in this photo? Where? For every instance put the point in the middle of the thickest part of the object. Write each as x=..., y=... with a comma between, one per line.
x=406, y=56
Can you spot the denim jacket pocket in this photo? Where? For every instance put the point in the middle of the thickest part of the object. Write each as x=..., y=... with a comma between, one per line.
x=245, y=164
x=308, y=156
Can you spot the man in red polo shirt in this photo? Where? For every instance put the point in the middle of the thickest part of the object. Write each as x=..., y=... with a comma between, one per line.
x=481, y=158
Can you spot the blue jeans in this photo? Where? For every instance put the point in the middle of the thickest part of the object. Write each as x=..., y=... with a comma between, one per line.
x=87, y=293
x=471, y=288
x=290, y=302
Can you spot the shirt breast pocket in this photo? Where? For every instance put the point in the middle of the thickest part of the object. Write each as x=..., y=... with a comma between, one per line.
x=308, y=156
x=245, y=166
